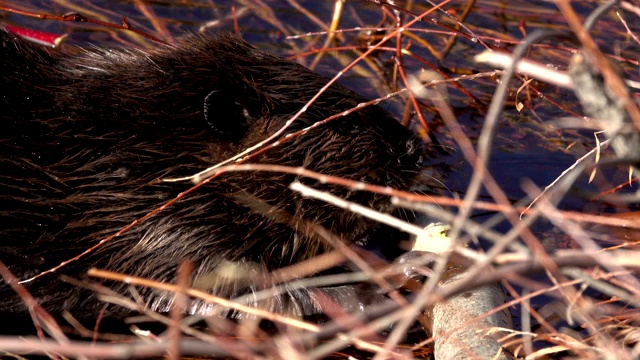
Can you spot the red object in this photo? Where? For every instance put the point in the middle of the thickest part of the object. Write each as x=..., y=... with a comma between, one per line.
x=40, y=37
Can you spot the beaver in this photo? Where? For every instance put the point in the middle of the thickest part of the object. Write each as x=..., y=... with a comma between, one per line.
x=86, y=136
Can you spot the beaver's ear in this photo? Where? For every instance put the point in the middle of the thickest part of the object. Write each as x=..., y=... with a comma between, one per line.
x=228, y=113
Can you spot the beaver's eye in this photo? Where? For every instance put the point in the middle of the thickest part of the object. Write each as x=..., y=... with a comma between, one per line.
x=226, y=114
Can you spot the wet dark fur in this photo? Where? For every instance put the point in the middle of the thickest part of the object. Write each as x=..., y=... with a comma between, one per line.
x=84, y=137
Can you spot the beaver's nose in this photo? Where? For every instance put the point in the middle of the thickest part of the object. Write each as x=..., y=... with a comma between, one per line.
x=414, y=149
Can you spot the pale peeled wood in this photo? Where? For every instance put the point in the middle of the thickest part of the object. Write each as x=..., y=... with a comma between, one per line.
x=458, y=336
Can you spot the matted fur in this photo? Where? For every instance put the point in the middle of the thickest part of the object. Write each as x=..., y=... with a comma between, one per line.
x=84, y=138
